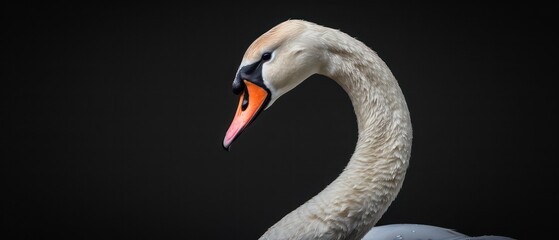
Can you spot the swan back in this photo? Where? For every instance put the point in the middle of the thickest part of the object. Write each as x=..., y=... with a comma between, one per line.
x=421, y=232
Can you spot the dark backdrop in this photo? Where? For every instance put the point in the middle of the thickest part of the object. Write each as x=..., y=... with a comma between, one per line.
x=113, y=118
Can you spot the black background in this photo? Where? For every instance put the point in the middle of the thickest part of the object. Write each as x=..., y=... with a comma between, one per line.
x=114, y=117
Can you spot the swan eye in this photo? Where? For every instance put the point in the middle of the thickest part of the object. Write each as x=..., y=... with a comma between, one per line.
x=266, y=56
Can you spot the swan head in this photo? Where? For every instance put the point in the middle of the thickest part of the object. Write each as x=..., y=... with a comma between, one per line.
x=273, y=64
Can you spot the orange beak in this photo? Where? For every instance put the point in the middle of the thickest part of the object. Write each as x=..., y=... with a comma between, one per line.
x=257, y=98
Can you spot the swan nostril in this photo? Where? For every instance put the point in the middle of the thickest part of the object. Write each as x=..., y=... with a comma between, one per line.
x=244, y=105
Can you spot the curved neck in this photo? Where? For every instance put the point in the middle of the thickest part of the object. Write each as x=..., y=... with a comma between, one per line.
x=355, y=201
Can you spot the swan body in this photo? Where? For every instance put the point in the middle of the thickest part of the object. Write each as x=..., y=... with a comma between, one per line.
x=352, y=204
x=421, y=232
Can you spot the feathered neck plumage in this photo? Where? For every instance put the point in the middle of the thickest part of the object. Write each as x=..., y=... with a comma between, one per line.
x=355, y=201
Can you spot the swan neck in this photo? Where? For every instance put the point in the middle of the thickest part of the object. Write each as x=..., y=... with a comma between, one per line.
x=355, y=201
x=377, y=168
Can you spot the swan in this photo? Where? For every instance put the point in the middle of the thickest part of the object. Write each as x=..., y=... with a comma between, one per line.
x=350, y=206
